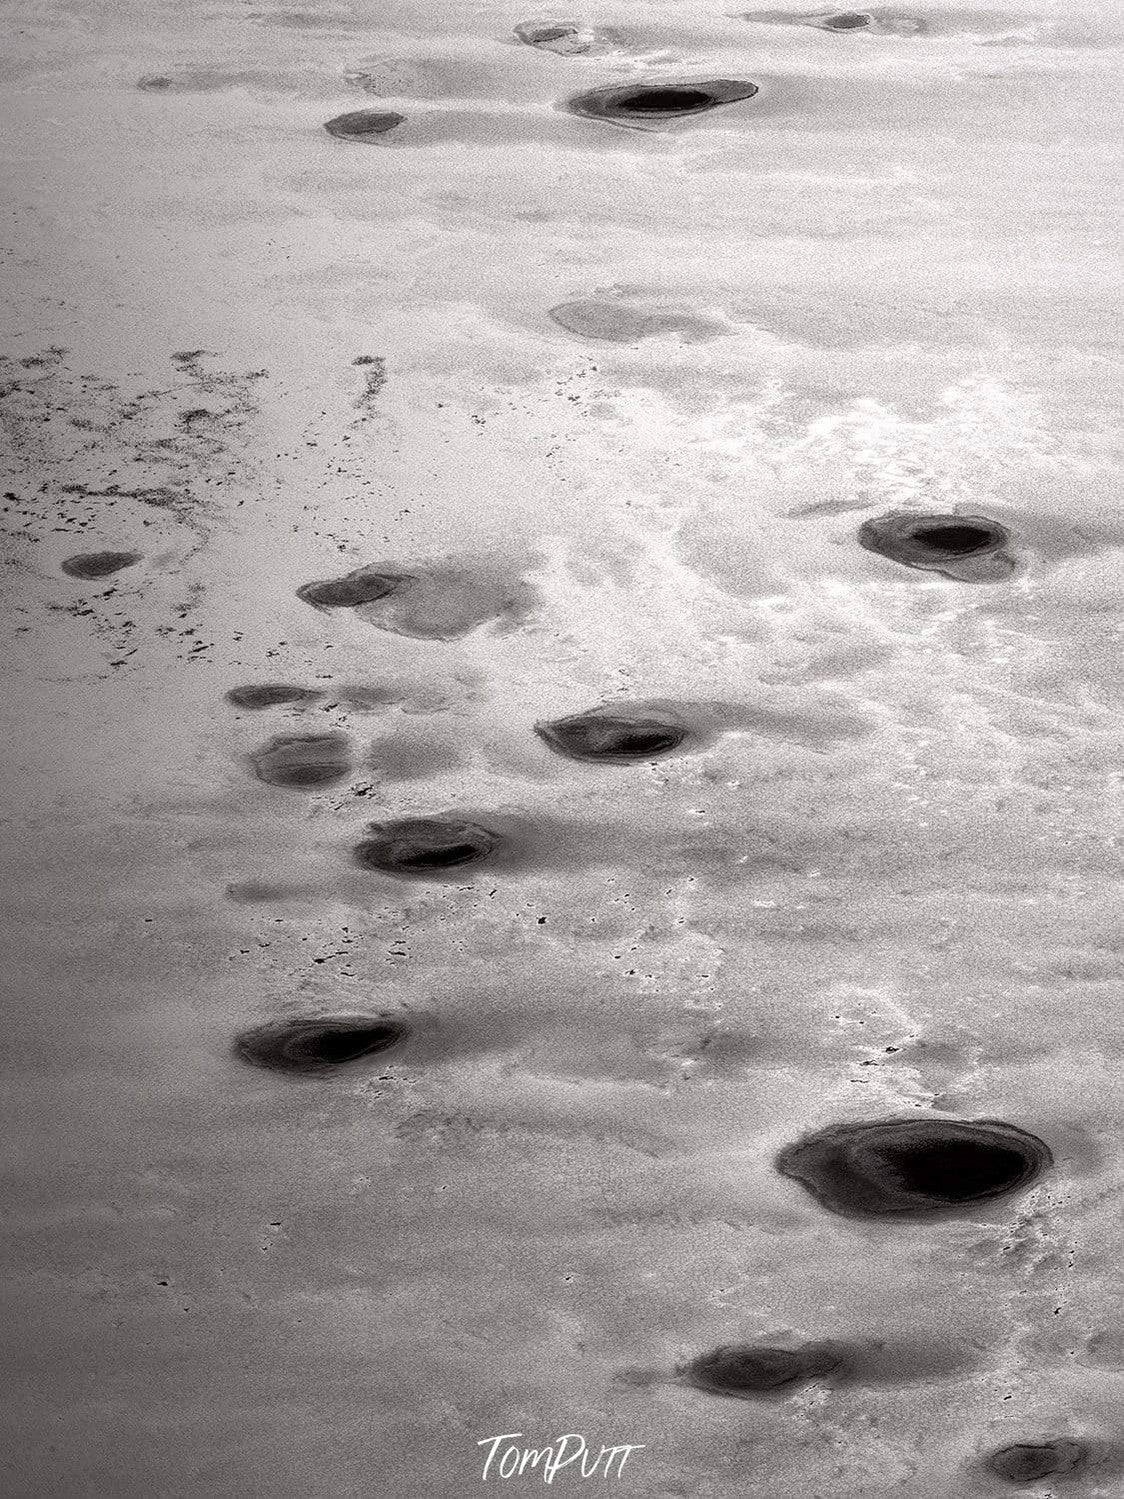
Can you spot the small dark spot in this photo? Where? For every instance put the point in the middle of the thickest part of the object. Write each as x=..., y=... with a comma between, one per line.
x=99, y=564
x=421, y=845
x=555, y=36
x=614, y=738
x=1027, y=1462
x=270, y=695
x=317, y=1045
x=632, y=102
x=933, y=542
x=363, y=124
x=366, y=585
x=913, y=1167
x=298, y=761
x=747, y=1371
x=848, y=20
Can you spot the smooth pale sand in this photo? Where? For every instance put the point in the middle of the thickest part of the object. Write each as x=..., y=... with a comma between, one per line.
x=884, y=881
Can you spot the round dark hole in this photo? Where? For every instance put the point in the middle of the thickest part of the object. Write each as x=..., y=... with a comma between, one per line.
x=316, y=1045
x=956, y=1170
x=851, y=20
x=357, y=588
x=755, y=1371
x=418, y=845
x=601, y=737
x=665, y=101
x=1027, y=1462
x=957, y=540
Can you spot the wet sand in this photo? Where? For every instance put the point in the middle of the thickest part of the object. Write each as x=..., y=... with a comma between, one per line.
x=561, y=660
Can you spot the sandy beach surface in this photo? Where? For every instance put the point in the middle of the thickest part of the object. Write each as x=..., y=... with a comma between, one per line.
x=491, y=409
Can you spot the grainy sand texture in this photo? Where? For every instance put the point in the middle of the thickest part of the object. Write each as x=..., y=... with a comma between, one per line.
x=562, y=861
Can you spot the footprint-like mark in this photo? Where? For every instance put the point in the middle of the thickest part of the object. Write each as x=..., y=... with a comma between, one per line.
x=968, y=548
x=443, y=600
x=613, y=736
x=426, y=845
x=368, y=126
x=747, y=1372
x=299, y=761
x=258, y=695
x=878, y=21
x=911, y=1168
x=365, y=585
x=98, y=564
x=1030, y=1462
x=317, y=1045
x=620, y=323
x=566, y=38
x=648, y=106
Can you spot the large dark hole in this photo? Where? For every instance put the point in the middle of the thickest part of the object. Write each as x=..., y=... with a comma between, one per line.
x=316, y=1045
x=1027, y=1462
x=269, y=695
x=743, y=1371
x=601, y=737
x=98, y=564
x=416, y=845
x=363, y=124
x=957, y=540
x=956, y=1170
x=851, y=20
x=665, y=101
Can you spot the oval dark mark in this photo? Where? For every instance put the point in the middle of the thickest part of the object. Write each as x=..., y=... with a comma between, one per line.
x=615, y=739
x=1027, y=1462
x=913, y=1167
x=365, y=585
x=421, y=845
x=317, y=1045
x=851, y=20
x=98, y=564
x=298, y=761
x=564, y=37
x=927, y=541
x=365, y=125
x=746, y=1371
x=630, y=103
x=270, y=695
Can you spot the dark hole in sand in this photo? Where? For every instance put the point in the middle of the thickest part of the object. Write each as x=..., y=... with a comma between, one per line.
x=851, y=20
x=98, y=564
x=932, y=541
x=270, y=695
x=366, y=585
x=604, y=736
x=420, y=845
x=744, y=1371
x=317, y=1045
x=363, y=124
x=630, y=102
x=956, y=541
x=299, y=761
x=1027, y=1462
x=956, y=1170
x=665, y=101
x=913, y=1167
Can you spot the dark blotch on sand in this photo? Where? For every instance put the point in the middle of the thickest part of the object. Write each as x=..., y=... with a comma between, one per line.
x=425, y=845
x=317, y=1045
x=910, y=1168
x=932, y=541
x=367, y=125
x=270, y=695
x=639, y=103
x=564, y=37
x=613, y=738
x=848, y=20
x=299, y=761
x=1028, y=1462
x=98, y=564
x=747, y=1371
x=366, y=585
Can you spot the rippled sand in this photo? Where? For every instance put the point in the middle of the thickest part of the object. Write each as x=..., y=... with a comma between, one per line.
x=468, y=579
